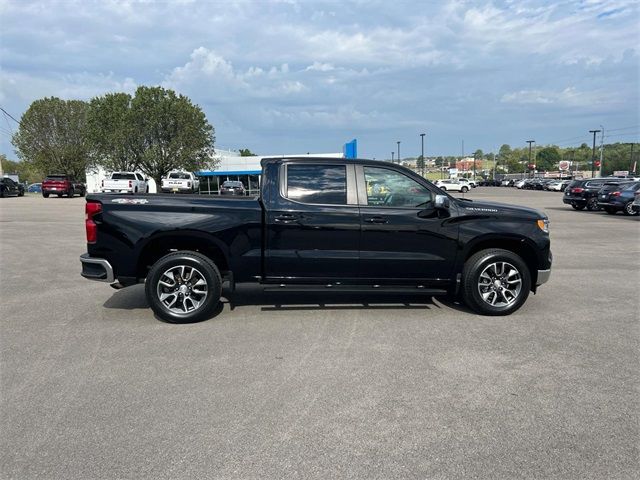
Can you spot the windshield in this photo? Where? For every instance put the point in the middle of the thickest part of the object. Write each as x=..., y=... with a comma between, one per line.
x=230, y=183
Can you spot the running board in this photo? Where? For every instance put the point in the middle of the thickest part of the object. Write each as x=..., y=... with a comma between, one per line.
x=419, y=289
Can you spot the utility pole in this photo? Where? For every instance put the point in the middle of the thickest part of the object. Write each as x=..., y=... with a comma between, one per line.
x=601, y=151
x=593, y=153
x=529, y=142
x=398, y=142
x=631, y=169
x=422, y=154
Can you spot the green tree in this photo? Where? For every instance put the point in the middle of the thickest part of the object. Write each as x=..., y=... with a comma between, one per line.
x=115, y=144
x=52, y=137
x=245, y=152
x=548, y=159
x=420, y=164
x=155, y=132
x=26, y=172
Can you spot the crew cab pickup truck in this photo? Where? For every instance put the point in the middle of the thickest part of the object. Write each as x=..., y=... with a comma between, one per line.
x=125, y=182
x=180, y=182
x=318, y=224
x=62, y=185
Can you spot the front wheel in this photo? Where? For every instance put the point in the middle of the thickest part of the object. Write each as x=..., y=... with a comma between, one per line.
x=495, y=282
x=464, y=189
x=183, y=287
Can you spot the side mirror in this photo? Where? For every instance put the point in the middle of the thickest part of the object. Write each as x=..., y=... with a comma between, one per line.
x=442, y=202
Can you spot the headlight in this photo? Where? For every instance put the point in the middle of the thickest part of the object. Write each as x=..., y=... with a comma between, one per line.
x=544, y=225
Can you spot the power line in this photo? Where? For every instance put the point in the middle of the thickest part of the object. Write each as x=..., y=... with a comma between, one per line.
x=9, y=115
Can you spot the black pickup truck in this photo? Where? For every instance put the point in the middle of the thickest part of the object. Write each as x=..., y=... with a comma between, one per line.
x=318, y=224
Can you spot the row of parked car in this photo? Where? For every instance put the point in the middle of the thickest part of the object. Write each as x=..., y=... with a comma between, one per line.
x=609, y=194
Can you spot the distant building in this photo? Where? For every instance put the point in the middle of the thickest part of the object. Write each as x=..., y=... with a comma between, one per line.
x=466, y=165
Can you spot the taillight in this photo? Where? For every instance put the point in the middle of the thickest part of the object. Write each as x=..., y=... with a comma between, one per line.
x=130, y=183
x=616, y=194
x=91, y=209
x=102, y=184
x=188, y=184
x=577, y=190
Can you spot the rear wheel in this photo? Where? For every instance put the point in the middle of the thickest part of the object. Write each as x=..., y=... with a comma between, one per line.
x=59, y=195
x=464, y=189
x=21, y=193
x=628, y=209
x=183, y=287
x=45, y=194
x=71, y=193
x=592, y=204
x=495, y=282
x=577, y=206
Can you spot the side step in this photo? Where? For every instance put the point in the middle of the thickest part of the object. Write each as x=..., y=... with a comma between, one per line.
x=412, y=289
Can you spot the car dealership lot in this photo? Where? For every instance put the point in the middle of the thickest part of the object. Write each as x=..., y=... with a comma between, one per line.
x=285, y=385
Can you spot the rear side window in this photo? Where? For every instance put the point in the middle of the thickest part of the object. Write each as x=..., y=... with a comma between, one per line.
x=325, y=184
x=56, y=178
x=179, y=175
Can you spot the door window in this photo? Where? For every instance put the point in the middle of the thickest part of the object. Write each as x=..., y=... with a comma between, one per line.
x=323, y=184
x=388, y=188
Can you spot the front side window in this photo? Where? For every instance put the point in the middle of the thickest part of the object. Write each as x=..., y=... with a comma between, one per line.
x=388, y=188
x=324, y=184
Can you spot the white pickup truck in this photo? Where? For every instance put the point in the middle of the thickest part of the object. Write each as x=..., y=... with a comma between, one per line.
x=125, y=182
x=180, y=182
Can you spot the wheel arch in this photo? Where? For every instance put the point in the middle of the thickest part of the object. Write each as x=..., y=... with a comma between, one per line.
x=168, y=242
x=519, y=245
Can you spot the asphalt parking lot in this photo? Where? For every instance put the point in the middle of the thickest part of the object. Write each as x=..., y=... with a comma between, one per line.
x=281, y=386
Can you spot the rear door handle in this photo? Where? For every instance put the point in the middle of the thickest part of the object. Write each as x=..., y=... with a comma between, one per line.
x=376, y=220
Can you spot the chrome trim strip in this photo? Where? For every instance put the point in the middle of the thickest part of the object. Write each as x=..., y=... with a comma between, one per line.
x=85, y=258
x=543, y=276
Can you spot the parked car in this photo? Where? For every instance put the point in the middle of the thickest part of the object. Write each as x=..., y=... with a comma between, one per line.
x=125, y=182
x=584, y=193
x=636, y=203
x=321, y=224
x=232, y=187
x=507, y=183
x=62, y=185
x=35, y=188
x=180, y=182
x=618, y=197
x=470, y=182
x=519, y=184
x=452, y=185
x=10, y=188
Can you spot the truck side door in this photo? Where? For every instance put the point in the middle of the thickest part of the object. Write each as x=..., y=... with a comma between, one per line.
x=313, y=224
x=399, y=242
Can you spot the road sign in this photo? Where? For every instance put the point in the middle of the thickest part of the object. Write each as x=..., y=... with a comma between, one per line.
x=621, y=173
x=564, y=165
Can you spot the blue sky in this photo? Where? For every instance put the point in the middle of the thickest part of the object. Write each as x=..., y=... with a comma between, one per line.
x=305, y=76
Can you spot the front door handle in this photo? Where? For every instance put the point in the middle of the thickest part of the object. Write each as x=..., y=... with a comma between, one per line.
x=376, y=220
x=286, y=218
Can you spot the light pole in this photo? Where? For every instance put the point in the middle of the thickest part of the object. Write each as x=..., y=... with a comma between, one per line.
x=422, y=154
x=593, y=153
x=530, y=142
x=601, y=151
x=392, y=154
x=398, y=142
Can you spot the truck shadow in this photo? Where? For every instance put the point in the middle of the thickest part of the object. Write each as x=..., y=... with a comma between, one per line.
x=133, y=298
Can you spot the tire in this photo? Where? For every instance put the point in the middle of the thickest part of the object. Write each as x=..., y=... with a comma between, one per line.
x=610, y=210
x=628, y=209
x=1, y=193
x=592, y=205
x=443, y=188
x=135, y=190
x=45, y=195
x=146, y=189
x=83, y=192
x=192, y=265
x=71, y=193
x=59, y=195
x=577, y=206
x=499, y=265
x=464, y=189
x=21, y=193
